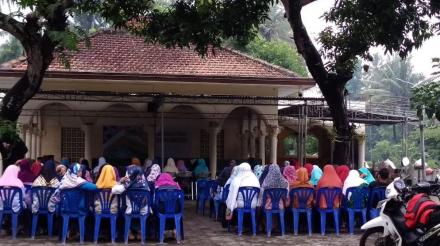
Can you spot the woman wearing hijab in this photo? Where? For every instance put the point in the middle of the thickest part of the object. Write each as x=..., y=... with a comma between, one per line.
x=166, y=181
x=366, y=175
x=10, y=179
x=72, y=179
x=107, y=180
x=47, y=178
x=286, y=163
x=36, y=167
x=201, y=170
x=309, y=168
x=181, y=166
x=329, y=179
x=244, y=178
x=154, y=173
x=101, y=163
x=290, y=174
x=258, y=170
x=302, y=181
x=353, y=180
x=171, y=167
x=274, y=179
x=342, y=172
x=25, y=174
x=315, y=175
x=264, y=174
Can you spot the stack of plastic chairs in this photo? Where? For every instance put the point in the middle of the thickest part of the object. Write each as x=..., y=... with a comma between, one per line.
x=248, y=195
x=302, y=195
x=357, y=199
x=105, y=199
x=169, y=204
x=7, y=196
x=203, y=190
x=276, y=196
x=43, y=195
x=330, y=195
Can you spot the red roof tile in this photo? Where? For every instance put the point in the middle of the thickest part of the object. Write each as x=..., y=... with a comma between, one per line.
x=120, y=52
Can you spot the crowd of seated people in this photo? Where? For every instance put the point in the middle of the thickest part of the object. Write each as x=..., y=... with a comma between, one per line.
x=27, y=174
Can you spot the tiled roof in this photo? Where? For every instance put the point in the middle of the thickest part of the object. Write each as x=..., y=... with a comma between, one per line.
x=120, y=52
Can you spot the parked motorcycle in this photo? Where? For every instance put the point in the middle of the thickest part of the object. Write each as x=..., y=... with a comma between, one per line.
x=389, y=228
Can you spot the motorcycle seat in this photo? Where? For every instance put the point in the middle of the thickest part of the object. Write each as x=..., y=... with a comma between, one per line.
x=409, y=236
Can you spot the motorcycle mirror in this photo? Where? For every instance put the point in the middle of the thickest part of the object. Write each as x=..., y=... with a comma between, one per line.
x=399, y=185
x=405, y=161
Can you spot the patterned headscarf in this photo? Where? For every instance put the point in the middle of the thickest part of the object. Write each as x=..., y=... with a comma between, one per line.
x=136, y=178
x=258, y=170
x=290, y=174
x=274, y=178
x=154, y=173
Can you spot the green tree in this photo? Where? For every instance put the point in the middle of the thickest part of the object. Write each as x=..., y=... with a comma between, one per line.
x=43, y=30
x=11, y=49
x=427, y=95
x=277, y=52
x=358, y=26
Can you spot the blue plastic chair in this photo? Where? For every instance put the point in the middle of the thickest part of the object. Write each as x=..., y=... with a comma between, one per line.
x=302, y=195
x=105, y=199
x=203, y=195
x=357, y=203
x=225, y=194
x=172, y=201
x=276, y=196
x=7, y=195
x=73, y=204
x=43, y=195
x=248, y=194
x=376, y=194
x=139, y=199
x=330, y=194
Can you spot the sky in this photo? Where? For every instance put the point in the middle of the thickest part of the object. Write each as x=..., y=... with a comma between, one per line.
x=421, y=58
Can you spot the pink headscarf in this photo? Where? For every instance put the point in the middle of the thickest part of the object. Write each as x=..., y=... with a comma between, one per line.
x=309, y=168
x=10, y=177
x=165, y=179
x=290, y=174
x=343, y=172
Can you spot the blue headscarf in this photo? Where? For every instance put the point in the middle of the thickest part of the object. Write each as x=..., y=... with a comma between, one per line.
x=368, y=176
x=316, y=175
x=258, y=170
x=201, y=168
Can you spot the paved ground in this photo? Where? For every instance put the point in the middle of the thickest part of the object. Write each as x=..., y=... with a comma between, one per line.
x=204, y=231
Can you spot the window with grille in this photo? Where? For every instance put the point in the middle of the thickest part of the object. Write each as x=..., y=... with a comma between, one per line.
x=72, y=143
x=204, y=144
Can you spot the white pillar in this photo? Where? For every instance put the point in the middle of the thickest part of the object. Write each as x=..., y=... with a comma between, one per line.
x=87, y=128
x=34, y=143
x=28, y=142
x=213, y=131
x=38, y=145
x=22, y=134
x=151, y=133
x=361, y=151
x=245, y=145
x=262, y=146
x=274, y=130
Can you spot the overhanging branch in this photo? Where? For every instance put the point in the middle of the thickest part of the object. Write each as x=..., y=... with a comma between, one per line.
x=12, y=26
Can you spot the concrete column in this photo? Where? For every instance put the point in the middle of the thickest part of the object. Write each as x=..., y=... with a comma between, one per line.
x=361, y=151
x=273, y=134
x=38, y=144
x=150, y=141
x=34, y=143
x=253, y=148
x=88, y=128
x=28, y=142
x=245, y=145
x=22, y=129
x=213, y=132
x=262, y=146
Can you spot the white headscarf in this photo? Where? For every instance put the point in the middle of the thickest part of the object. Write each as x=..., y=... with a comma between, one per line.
x=353, y=180
x=244, y=177
x=170, y=167
x=234, y=173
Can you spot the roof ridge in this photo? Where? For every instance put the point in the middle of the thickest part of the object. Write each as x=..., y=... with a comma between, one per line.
x=263, y=62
